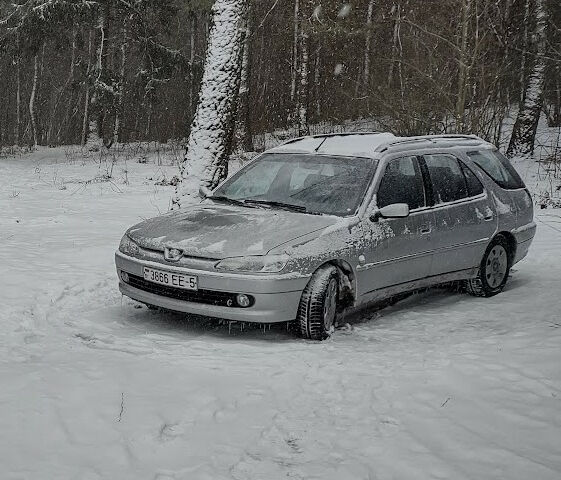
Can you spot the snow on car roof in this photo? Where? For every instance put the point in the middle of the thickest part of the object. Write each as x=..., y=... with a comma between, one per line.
x=354, y=144
x=371, y=145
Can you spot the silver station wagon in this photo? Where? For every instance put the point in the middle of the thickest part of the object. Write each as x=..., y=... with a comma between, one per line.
x=323, y=225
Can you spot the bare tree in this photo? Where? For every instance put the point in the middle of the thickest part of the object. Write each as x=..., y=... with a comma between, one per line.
x=302, y=94
x=463, y=68
x=367, y=47
x=294, y=70
x=120, y=92
x=32, y=113
x=524, y=132
x=210, y=140
x=17, y=133
x=458, y=65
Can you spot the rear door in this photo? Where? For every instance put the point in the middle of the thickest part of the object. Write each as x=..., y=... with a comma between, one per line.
x=465, y=216
x=397, y=250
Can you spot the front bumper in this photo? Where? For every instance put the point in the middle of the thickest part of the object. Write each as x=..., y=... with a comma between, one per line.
x=276, y=296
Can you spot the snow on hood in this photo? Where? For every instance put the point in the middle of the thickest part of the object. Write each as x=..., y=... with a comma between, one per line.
x=220, y=231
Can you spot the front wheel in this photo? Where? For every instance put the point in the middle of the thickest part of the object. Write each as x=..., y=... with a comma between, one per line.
x=318, y=305
x=493, y=271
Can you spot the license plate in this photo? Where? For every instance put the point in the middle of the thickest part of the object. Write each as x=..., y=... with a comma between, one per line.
x=170, y=279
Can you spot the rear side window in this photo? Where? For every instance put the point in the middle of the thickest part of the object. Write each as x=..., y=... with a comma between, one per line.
x=402, y=183
x=473, y=184
x=447, y=178
x=497, y=166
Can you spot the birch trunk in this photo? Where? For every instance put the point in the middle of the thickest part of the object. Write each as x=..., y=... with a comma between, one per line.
x=211, y=137
x=367, y=47
x=302, y=113
x=525, y=48
x=117, y=128
x=17, y=132
x=463, y=68
x=93, y=139
x=317, y=78
x=32, y=113
x=293, y=84
x=524, y=133
x=86, y=115
x=148, y=119
x=396, y=10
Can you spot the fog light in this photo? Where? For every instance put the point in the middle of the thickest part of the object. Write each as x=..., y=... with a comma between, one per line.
x=124, y=277
x=243, y=300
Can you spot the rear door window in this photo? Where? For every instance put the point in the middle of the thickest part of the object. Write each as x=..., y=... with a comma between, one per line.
x=475, y=187
x=402, y=183
x=497, y=166
x=447, y=178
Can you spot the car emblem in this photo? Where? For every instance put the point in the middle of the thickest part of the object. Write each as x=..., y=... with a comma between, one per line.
x=173, y=254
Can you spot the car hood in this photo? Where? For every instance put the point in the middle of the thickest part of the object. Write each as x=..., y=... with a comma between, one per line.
x=219, y=231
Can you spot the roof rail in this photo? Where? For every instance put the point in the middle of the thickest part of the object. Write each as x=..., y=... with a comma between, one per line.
x=327, y=135
x=428, y=138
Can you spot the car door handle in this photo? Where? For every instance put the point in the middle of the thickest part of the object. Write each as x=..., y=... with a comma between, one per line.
x=425, y=229
x=488, y=218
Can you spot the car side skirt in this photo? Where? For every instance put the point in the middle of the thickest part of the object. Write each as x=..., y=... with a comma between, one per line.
x=378, y=295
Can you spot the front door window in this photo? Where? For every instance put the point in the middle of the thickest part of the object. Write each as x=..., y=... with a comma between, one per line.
x=402, y=183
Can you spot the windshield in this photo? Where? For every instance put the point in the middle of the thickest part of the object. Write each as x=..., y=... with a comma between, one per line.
x=330, y=185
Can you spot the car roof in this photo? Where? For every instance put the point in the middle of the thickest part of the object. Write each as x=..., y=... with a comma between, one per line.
x=373, y=144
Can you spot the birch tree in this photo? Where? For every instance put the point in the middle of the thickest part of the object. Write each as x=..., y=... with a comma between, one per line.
x=524, y=132
x=303, y=88
x=211, y=137
x=367, y=47
x=92, y=140
x=17, y=132
x=294, y=69
x=32, y=114
x=463, y=68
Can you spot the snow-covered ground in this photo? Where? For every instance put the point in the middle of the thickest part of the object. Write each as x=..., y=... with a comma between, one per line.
x=440, y=386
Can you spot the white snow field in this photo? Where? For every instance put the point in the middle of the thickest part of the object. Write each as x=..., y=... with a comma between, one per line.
x=94, y=386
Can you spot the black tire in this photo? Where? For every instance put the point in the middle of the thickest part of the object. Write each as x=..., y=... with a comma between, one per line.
x=315, y=316
x=492, y=275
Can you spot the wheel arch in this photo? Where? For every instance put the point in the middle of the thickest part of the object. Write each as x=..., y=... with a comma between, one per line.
x=512, y=244
x=347, y=282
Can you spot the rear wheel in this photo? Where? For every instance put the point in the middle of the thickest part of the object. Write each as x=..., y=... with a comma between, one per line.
x=493, y=271
x=318, y=305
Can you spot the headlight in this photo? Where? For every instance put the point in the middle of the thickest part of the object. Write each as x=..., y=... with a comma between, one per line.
x=255, y=264
x=128, y=247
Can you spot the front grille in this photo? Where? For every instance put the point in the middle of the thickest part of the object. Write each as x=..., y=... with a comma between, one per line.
x=208, y=297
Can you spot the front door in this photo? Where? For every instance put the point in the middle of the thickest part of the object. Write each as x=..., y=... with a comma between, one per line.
x=397, y=250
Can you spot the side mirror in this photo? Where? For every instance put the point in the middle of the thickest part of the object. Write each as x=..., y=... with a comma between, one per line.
x=204, y=192
x=395, y=210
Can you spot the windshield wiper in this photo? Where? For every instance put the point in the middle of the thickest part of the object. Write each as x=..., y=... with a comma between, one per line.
x=273, y=203
x=223, y=198
x=286, y=206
